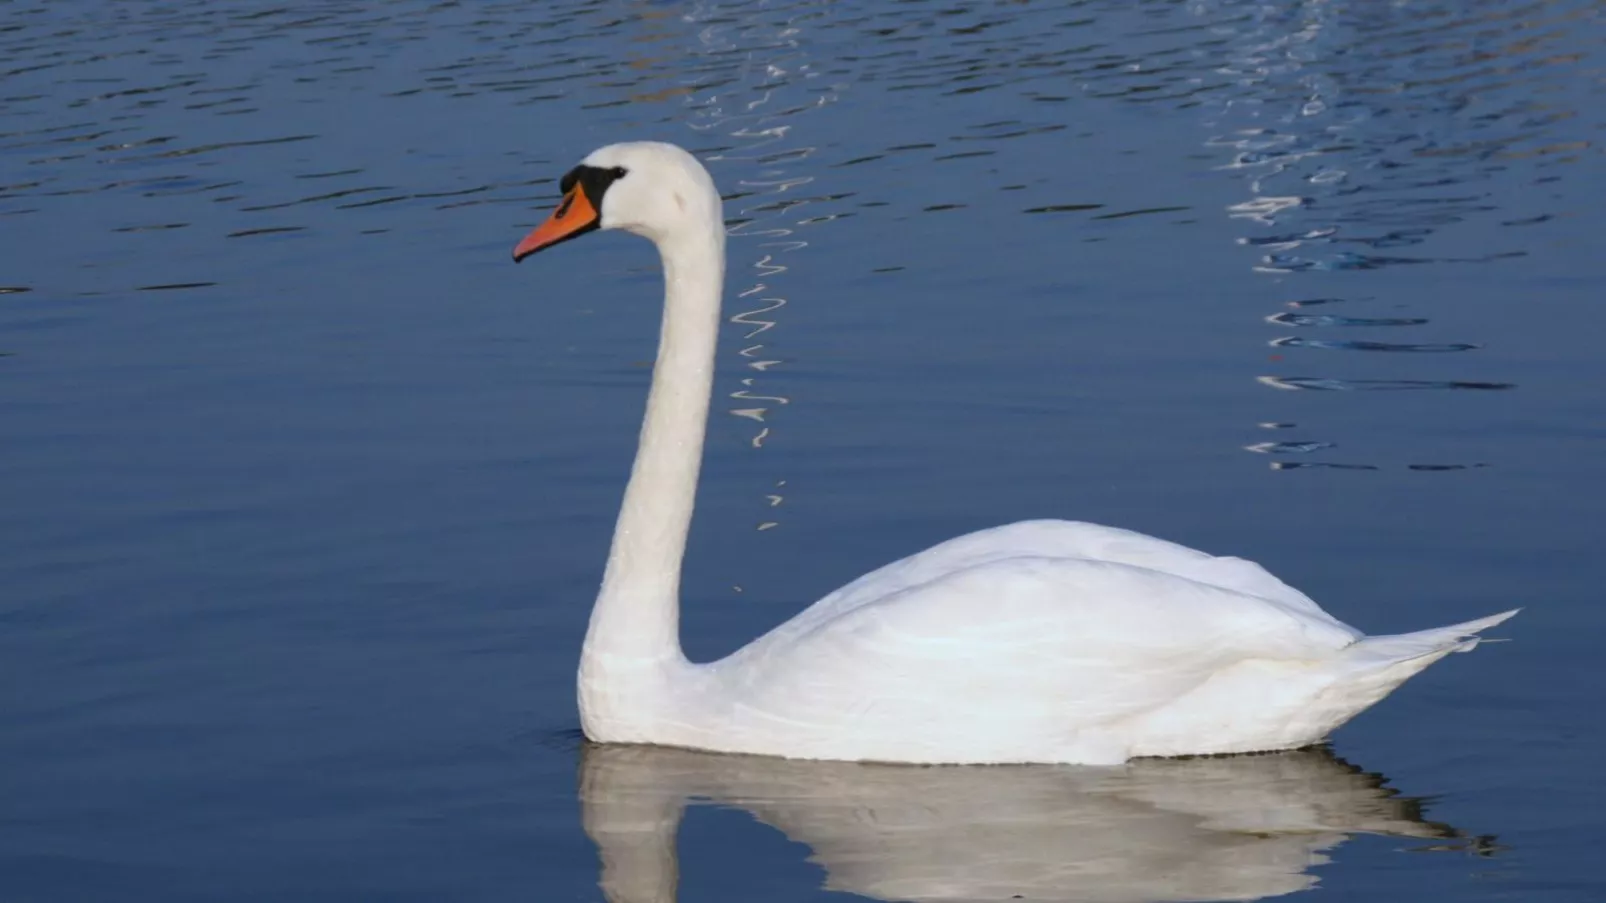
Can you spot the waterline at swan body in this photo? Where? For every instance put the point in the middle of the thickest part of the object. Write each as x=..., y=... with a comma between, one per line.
x=1038, y=641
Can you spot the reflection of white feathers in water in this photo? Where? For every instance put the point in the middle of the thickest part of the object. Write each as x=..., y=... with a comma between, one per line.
x=773, y=84
x=1220, y=828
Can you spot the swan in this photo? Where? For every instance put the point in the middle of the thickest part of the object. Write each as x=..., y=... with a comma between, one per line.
x=1043, y=641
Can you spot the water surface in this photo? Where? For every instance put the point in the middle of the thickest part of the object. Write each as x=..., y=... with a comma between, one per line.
x=309, y=488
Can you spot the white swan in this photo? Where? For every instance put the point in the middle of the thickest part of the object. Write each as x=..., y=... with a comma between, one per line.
x=1039, y=641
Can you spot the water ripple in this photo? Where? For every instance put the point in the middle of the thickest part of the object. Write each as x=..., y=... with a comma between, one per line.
x=1357, y=132
x=1331, y=384
x=1325, y=320
x=1358, y=345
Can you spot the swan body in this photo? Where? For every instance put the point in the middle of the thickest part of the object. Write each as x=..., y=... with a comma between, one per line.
x=1038, y=641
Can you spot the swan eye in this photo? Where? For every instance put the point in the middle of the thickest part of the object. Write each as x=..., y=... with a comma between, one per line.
x=618, y=172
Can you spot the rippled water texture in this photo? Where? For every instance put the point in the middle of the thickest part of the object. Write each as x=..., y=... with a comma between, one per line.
x=308, y=488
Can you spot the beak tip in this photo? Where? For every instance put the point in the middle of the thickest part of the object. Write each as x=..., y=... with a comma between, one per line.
x=525, y=248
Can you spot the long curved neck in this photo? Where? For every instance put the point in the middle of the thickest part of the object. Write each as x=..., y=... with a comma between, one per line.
x=636, y=620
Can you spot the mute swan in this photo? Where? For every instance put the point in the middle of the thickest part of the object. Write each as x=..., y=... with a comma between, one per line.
x=1038, y=641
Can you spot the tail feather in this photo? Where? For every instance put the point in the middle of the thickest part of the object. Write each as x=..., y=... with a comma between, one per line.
x=1373, y=666
x=1435, y=642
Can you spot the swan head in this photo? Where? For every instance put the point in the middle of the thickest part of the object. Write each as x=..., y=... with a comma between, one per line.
x=655, y=190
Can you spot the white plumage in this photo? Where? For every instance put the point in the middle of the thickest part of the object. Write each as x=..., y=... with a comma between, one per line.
x=1039, y=641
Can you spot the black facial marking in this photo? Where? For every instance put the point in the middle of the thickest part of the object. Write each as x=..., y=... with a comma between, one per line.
x=569, y=178
x=593, y=180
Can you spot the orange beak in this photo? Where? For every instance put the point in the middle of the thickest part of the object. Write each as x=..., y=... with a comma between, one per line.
x=574, y=217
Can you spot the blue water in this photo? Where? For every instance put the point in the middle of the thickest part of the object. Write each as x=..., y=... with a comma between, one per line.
x=308, y=488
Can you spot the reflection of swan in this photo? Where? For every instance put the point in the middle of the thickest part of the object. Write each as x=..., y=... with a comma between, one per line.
x=1040, y=641
x=1223, y=828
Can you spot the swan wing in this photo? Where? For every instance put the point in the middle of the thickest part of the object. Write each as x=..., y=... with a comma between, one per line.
x=1024, y=655
x=1055, y=539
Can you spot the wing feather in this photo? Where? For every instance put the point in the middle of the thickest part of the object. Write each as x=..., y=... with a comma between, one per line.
x=1065, y=643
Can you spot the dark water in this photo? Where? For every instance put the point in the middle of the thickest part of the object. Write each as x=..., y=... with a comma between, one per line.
x=308, y=488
